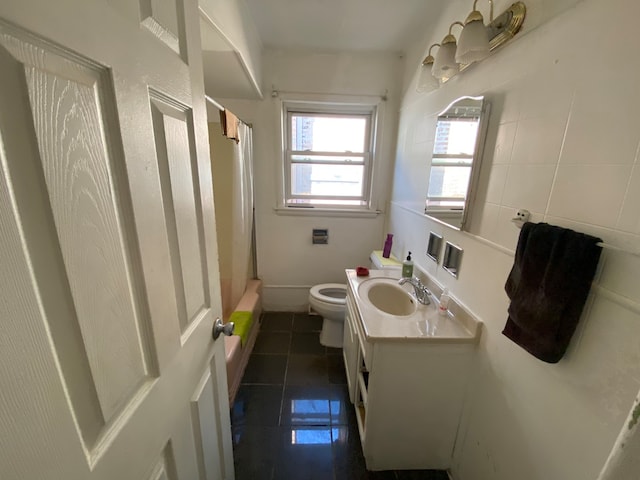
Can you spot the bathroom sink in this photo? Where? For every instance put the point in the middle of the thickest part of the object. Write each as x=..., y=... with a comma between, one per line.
x=387, y=296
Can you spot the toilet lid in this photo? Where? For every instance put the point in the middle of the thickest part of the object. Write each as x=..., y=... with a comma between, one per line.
x=335, y=293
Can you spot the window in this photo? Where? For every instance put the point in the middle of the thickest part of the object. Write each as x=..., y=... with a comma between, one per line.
x=328, y=155
x=451, y=163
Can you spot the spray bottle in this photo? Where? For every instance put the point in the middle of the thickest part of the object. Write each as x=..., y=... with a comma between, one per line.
x=386, y=252
x=443, y=307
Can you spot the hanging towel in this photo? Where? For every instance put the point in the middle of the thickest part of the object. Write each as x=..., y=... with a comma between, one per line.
x=243, y=321
x=548, y=287
x=229, y=125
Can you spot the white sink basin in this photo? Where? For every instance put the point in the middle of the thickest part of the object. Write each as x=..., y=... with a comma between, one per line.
x=388, y=296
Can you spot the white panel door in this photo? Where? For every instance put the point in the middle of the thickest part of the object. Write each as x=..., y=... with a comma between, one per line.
x=109, y=284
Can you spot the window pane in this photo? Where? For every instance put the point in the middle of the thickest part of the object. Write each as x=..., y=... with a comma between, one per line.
x=328, y=133
x=456, y=136
x=327, y=180
x=326, y=203
x=451, y=161
x=435, y=206
x=326, y=159
x=449, y=182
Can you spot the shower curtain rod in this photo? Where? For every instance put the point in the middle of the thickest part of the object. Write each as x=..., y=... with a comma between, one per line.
x=221, y=108
x=382, y=96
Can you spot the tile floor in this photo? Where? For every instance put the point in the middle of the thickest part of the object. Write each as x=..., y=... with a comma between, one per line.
x=292, y=419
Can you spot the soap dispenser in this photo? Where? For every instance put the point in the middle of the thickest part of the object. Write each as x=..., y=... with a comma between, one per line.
x=407, y=267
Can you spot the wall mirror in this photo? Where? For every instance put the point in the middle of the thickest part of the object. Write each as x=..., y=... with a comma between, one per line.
x=455, y=163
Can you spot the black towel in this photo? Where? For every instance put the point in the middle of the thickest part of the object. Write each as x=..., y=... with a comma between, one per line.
x=548, y=287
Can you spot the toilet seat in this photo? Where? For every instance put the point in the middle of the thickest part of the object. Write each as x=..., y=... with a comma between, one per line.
x=331, y=293
x=330, y=301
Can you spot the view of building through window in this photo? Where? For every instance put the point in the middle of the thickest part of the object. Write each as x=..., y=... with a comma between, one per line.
x=327, y=161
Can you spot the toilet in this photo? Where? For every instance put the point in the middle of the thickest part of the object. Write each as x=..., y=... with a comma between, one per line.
x=330, y=300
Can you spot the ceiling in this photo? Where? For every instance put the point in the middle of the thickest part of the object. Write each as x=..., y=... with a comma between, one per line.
x=378, y=25
x=319, y=25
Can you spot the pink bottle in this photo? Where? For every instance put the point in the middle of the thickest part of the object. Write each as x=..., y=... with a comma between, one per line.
x=386, y=252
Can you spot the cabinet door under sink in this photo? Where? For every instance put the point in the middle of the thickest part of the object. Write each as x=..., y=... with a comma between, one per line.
x=350, y=349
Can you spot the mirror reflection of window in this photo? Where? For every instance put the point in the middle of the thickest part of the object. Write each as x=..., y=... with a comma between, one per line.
x=452, y=160
x=452, y=163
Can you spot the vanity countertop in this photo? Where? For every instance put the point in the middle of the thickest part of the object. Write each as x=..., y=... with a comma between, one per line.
x=423, y=325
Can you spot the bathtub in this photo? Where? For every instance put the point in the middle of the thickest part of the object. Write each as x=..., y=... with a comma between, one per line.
x=237, y=356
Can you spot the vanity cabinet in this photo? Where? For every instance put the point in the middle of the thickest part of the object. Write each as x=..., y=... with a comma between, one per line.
x=350, y=347
x=407, y=394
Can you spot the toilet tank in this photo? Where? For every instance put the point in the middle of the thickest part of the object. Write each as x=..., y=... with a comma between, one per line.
x=391, y=264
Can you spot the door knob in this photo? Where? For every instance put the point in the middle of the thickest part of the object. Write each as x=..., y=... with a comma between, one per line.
x=219, y=327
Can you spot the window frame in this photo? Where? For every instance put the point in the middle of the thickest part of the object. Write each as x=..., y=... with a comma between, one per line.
x=338, y=110
x=452, y=203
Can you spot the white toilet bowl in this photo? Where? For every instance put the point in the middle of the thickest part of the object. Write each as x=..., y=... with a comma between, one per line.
x=330, y=301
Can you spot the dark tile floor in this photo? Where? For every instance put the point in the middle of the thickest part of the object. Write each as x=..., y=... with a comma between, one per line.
x=292, y=419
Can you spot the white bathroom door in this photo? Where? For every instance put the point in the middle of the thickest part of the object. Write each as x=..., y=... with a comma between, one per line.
x=109, y=283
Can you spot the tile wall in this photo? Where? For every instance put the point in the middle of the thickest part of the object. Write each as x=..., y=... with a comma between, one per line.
x=563, y=143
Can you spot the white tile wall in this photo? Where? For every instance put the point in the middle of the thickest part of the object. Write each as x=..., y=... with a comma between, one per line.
x=485, y=221
x=497, y=180
x=604, y=127
x=528, y=185
x=619, y=274
x=629, y=220
x=506, y=232
x=562, y=142
x=545, y=94
x=589, y=193
x=504, y=143
x=538, y=140
x=510, y=111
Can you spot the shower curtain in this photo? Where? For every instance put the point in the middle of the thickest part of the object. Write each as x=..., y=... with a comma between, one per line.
x=242, y=214
x=232, y=171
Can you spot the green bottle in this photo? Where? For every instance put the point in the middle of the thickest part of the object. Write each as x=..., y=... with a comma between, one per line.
x=407, y=267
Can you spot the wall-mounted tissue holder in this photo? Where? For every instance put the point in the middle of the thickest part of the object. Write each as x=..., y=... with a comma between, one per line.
x=452, y=259
x=521, y=217
x=434, y=247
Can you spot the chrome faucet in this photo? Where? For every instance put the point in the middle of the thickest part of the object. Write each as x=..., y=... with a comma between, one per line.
x=422, y=293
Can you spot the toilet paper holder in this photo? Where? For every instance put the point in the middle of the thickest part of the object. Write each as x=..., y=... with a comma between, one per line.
x=320, y=236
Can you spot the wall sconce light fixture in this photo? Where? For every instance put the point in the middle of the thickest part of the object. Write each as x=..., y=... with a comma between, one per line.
x=476, y=41
x=474, y=38
x=445, y=65
x=426, y=81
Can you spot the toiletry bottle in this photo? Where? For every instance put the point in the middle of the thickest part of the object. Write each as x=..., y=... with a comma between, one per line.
x=407, y=267
x=386, y=252
x=443, y=307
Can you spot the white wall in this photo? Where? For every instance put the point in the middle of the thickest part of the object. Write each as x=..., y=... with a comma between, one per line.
x=562, y=142
x=233, y=20
x=287, y=261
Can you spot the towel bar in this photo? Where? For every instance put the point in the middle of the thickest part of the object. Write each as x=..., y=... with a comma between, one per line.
x=518, y=223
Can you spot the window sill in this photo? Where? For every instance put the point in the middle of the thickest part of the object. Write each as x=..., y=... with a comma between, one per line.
x=444, y=212
x=327, y=212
